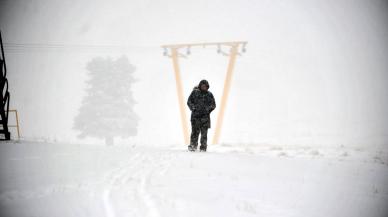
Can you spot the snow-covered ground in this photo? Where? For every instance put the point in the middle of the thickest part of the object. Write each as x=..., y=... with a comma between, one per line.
x=44, y=180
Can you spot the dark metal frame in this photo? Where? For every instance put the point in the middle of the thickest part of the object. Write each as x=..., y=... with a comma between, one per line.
x=4, y=95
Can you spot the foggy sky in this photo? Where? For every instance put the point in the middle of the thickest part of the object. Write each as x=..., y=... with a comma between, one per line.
x=315, y=71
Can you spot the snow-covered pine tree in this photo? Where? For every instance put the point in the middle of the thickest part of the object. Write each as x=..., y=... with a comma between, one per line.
x=107, y=110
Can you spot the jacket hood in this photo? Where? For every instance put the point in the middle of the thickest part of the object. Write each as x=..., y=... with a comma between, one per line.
x=203, y=82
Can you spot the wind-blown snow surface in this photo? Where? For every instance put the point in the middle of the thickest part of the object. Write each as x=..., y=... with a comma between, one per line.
x=41, y=179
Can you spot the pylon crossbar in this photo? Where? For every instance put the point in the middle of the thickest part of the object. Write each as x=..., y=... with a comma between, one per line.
x=232, y=43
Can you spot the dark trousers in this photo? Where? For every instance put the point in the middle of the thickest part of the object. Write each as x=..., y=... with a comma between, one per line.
x=196, y=128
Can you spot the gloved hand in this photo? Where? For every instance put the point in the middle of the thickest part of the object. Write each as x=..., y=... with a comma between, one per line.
x=199, y=112
x=202, y=112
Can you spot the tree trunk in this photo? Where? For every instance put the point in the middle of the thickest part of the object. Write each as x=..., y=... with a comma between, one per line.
x=109, y=141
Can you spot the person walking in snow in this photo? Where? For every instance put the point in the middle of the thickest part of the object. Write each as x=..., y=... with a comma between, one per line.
x=201, y=103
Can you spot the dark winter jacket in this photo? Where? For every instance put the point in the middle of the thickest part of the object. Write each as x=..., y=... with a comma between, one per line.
x=201, y=104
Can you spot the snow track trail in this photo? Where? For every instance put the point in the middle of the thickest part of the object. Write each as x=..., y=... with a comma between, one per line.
x=152, y=181
x=114, y=179
x=134, y=178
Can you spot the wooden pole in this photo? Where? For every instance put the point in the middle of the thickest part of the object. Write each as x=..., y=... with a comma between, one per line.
x=178, y=81
x=17, y=123
x=225, y=93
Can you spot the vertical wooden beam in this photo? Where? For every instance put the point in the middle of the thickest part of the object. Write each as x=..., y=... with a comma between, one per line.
x=17, y=123
x=225, y=93
x=178, y=81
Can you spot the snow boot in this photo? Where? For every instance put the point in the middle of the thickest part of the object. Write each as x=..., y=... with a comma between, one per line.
x=191, y=148
x=202, y=148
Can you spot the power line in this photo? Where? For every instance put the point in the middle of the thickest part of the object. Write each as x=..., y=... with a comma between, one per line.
x=14, y=47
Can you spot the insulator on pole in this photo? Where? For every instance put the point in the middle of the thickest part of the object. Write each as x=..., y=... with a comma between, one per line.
x=244, y=49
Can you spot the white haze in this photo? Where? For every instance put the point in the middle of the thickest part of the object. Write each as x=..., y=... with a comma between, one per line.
x=315, y=72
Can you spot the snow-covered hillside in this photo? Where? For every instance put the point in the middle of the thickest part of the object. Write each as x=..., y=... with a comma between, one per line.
x=304, y=132
x=45, y=180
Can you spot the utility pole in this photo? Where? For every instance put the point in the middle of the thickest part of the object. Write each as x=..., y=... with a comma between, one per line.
x=172, y=51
